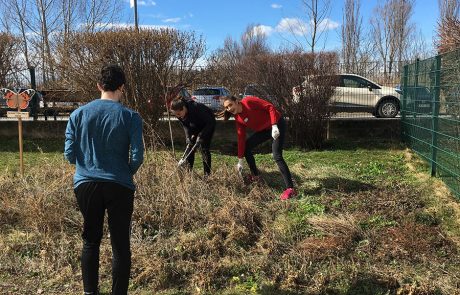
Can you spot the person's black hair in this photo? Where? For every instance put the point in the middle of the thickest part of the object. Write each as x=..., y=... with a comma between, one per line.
x=177, y=104
x=111, y=77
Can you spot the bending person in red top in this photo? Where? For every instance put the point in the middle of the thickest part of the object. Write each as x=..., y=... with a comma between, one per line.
x=268, y=123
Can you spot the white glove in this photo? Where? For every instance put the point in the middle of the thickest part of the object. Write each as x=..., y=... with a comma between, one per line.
x=275, y=132
x=181, y=162
x=239, y=166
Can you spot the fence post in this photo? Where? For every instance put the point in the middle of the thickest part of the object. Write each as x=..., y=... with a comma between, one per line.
x=404, y=90
x=435, y=114
x=414, y=97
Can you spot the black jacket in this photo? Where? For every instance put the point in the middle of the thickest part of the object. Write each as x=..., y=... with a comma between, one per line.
x=199, y=120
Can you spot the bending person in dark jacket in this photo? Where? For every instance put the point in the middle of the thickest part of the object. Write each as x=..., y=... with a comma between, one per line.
x=199, y=123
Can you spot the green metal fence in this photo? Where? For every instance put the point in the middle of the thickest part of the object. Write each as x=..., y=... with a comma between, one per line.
x=430, y=115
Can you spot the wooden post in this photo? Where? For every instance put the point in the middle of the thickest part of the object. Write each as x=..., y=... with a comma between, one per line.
x=21, y=160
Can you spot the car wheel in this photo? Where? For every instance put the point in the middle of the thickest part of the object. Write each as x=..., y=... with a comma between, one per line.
x=388, y=108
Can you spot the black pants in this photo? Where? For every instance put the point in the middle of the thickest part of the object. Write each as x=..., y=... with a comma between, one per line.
x=93, y=199
x=205, y=154
x=277, y=150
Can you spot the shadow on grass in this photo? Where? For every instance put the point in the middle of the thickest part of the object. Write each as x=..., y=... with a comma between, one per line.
x=272, y=290
x=33, y=145
x=372, y=286
x=229, y=148
x=339, y=184
x=274, y=180
x=220, y=146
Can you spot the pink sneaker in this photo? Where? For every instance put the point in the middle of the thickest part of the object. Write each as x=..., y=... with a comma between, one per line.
x=287, y=194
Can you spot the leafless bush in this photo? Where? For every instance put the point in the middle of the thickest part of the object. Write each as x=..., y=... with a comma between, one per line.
x=251, y=62
x=152, y=60
x=279, y=73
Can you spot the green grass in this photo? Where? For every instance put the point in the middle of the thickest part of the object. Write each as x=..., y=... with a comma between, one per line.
x=353, y=229
x=35, y=152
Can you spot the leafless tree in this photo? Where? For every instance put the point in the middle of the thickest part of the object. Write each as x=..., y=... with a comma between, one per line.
x=69, y=16
x=41, y=23
x=18, y=9
x=351, y=35
x=99, y=14
x=390, y=30
x=417, y=47
x=317, y=12
x=223, y=63
x=449, y=9
x=254, y=41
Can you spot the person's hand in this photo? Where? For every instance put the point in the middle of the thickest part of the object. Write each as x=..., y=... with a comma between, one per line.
x=181, y=163
x=239, y=166
x=275, y=132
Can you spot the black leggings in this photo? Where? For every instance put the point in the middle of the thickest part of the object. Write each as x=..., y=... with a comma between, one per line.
x=205, y=155
x=93, y=199
x=277, y=150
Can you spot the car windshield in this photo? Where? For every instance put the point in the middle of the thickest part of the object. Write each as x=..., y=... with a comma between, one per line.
x=206, y=91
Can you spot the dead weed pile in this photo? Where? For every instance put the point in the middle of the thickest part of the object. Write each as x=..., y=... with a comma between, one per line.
x=203, y=235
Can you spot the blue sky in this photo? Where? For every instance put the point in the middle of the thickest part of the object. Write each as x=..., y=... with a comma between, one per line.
x=217, y=19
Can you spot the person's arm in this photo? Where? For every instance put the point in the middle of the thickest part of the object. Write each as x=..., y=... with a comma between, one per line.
x=136, y=155
x=69, y=148
x=188, y=135
x=208, y=118
x=257, y=103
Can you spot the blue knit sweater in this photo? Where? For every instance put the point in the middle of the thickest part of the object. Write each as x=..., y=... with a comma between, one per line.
x=104, y=139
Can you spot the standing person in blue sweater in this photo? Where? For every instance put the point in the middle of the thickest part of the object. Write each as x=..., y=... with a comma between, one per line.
x=104, y=140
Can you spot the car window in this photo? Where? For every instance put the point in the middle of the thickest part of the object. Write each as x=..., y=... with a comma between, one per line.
x=206, y=91
x=354, y=82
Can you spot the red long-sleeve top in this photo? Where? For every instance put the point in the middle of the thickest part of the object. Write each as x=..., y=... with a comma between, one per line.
x=258, y=115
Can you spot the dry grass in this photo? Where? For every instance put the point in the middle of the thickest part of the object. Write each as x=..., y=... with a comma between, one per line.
x=195, y=235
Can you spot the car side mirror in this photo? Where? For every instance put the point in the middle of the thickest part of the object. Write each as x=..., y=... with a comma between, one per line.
x=369, y=87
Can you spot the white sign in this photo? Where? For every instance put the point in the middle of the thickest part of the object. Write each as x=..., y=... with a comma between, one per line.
x=22, y=115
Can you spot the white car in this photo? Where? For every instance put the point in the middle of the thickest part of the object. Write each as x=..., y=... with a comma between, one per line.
x=210, y=96
x=354, y=93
